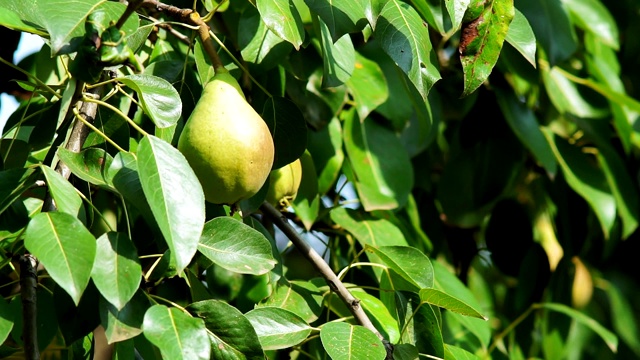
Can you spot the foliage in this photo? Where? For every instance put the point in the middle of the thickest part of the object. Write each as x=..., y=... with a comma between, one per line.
x=469, y=170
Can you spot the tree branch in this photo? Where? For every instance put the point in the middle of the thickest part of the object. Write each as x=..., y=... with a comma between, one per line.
x=327, y=273
x=28, y=286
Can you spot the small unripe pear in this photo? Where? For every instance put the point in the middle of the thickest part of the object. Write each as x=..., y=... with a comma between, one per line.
x=227, y=143
x=284, y=184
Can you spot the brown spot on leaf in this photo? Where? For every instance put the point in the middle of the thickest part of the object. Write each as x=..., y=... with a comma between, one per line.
x=468, y=34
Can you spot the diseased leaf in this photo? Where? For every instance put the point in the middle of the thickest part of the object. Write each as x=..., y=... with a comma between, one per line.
x=481, y=41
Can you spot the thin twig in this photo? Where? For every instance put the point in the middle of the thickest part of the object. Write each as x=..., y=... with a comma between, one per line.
x=28, y=287
x=327, y=273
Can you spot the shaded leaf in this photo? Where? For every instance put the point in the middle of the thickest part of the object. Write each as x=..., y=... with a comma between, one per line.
x=340, y=16
x=116, y=270
x=6, y=320
x=125, y=323
x=288, y=128
x=593, y=16
x=445, y=301
x=344, y=341
x=383, y=172
x=325, y=147
x=609, y=338
x=63, y=193
x=235, y=246
x=405, y=39
x=89, y=165
x=176, y=334
x=232, y=335
x=566, y=96
x=300, y=297
x=259, y=44
x=65, y=247
x=338, y=58
x=278, y=328
x=13, y=183
x=174, y=195
x=159, y=98
x=367, y=229
x=553, y=30
x=481, y=41
x=367, y=85
x=307, y=202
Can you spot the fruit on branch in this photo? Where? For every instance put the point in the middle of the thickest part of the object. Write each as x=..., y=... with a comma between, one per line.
x=284, y=184
x=227, y=143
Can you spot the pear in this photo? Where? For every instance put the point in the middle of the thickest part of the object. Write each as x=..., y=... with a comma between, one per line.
x=284, y=184
x=227, y=143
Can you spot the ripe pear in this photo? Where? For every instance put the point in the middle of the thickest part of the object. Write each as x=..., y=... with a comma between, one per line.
x=284, y=184
x=227, y=143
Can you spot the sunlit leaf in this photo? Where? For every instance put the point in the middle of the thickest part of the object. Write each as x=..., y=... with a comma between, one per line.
x=446, y=301
x=344, y=341
x=176, y=334
x=236, y=246
x=340, y=16
x=481, y=41
x=278, y=328
x=413, y=265
x=64, y=195
x=65, y=247
x=300, y=297
x=116, y=271
x=159, y=98
x=367, y=229
x=338, y=58
x=89, y=165
x=593, y=16
x=521, y=36
x=283, y=19
x=367, y=85
x=174, y=195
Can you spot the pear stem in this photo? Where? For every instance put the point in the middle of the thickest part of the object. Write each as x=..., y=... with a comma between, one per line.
x=203, y=32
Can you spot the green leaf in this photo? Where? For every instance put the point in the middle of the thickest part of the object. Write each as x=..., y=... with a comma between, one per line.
x=175, y=197
x=159, y=98
x=65, y=247
x=420, y=323
x=307, y=202
x=344, y=341
x=203, y=63
x=13, y=183
x=68, y=22
x=125, y=323
x=524, y=124
x=448, y=283
x=282, y=17
x=288, y=128
x=278, y=328
x=609, y=338
x=409, y=262
x=89, y=165
x=232, y=335
x=456, y=10
x=622, y=319
x=340, y=16
x=302, y=298
x=594, y=17
x=383, y=172
x=176, y=334
x=116, y=270
x=566, y=97
x=236, y=246
x=338, y=58
x=325, y=147
x=367, y=229
x=553, y=30
x=521, y=36
x=258, y=44
x=21, y=16
x=6, y=320
x=405, y=352
x=405, y=39
x=586, y=180
x=455, y=353
x=446, y=301
x=64, y=195
x=481, y=41
x=367, y=85
x=379, y=315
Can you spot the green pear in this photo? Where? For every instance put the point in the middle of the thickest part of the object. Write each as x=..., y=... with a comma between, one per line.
x=284, y=184
x=227, y=143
